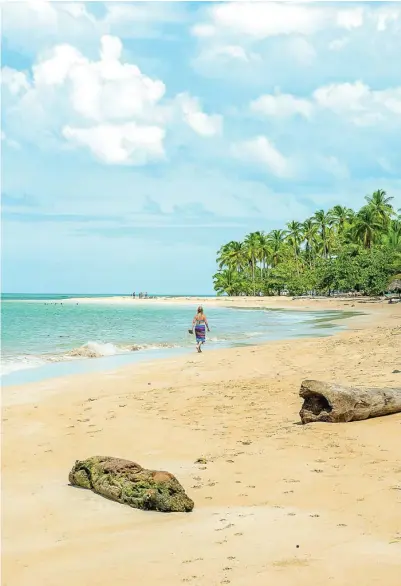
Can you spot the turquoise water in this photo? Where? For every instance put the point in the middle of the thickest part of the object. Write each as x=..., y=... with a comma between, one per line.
x=39, y=333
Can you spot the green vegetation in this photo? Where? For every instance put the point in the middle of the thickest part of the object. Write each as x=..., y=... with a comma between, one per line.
x=338, y=250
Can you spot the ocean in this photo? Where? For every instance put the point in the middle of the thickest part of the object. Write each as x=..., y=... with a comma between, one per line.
x=42, y=339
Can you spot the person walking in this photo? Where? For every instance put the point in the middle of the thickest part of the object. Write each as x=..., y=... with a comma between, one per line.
x=200, y=325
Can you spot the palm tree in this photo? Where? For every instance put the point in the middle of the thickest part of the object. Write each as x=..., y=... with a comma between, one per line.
x=265, y=252
x=366, y=227
x=309, y=233
x=392, y=238
x=276, y=239
x=252, y=252
x=379, y=202
x=294, y=237
x=331, y=237
x=340, y=216
x=223, y=281
x=323, y=222
x=231, y=255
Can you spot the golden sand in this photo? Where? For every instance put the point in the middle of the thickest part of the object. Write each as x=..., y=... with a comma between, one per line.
x=276, y=504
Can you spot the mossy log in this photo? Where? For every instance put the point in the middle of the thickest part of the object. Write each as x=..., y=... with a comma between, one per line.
x=334, y=403
x=128, y=483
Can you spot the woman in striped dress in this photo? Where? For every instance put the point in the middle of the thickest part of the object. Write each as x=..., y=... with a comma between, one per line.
x=200, y=325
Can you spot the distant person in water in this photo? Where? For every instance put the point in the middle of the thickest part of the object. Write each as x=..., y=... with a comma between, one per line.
x=200, y=324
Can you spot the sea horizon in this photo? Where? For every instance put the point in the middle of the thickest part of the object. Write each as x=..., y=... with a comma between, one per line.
x=69, y=295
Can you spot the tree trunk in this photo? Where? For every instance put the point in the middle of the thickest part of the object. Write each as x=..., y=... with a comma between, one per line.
x=334, y=403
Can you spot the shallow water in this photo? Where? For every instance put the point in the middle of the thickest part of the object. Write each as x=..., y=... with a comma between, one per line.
x=45, y=339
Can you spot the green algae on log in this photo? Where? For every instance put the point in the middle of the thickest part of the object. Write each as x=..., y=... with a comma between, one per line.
x=128, y=483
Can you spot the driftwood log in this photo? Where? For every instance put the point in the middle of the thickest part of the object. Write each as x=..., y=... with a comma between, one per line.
x=337, y=404
x=128, y=483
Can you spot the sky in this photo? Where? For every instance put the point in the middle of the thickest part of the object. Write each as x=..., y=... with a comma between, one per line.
x=137, y=138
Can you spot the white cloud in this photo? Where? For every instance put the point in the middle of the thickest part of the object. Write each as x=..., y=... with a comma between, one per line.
x=32, y=24
x=281, y=106
x=120, y=143
x=106, y=105
x=342, y=97
x=261, y=150
x=350, y=18
x=386, y=16
x=203, y=124
x=355, y=102
x=359, y=102
x=261, y=20
x=15, y=81
x=100, y=90
x=233, y=52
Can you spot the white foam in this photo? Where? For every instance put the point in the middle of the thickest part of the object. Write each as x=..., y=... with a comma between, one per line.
x=22, y=362
x=106, y=349
x=94, y=350
x=91, y=349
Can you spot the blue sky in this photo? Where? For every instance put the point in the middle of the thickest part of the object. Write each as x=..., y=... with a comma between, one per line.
x=139, y=137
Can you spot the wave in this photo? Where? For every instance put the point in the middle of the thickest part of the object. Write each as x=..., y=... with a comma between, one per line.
x=89, y=350
x=99, y=349
x=94, y=350
x=21, y=362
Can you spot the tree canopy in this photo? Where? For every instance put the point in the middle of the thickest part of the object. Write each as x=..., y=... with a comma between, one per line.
x=339, y=250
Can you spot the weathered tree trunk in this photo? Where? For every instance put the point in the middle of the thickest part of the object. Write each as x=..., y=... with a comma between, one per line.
x=336, y=403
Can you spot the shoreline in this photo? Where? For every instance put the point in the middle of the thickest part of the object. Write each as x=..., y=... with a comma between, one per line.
x=354, y=323
x=271, y=302
x=276, y=500
x=103, y=364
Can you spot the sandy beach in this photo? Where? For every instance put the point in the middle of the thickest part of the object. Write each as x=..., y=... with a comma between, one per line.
x=276, y=503
x=279, y=302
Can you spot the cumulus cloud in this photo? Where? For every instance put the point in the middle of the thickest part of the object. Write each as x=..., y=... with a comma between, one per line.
x=32, y=24
x=358, y=102
x=260, y=20
x=120, y=143
x=355, y=102
x=387, y=16
x=15, y=81
x=100, y=90
x=229, y=53
x=281, y=106
x=261, y=151
x=321, y=37
x=350, y=18
x=200, y=122
x=107, y=106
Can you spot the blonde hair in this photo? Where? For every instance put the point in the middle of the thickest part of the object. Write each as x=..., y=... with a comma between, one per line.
x=200, y=309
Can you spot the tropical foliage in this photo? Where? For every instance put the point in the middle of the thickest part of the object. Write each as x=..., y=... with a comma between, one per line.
x=336, y=250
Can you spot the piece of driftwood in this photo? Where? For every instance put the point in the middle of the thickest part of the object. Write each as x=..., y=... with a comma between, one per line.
x=334, y=403
x=128, y=483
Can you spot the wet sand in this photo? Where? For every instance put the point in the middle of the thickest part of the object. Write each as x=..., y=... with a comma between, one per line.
x=277, y=502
